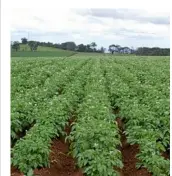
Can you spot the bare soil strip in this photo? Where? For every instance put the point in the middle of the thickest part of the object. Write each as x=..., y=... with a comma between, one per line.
x=166, y=154
x=129, y=156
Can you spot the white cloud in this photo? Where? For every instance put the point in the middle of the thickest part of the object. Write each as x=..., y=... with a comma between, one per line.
x=77, y=36
x=80, y=25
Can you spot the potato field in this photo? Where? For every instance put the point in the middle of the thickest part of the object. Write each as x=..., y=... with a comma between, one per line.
x=90, y=116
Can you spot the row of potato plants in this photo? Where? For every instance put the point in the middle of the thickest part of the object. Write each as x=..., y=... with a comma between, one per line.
x=22, y=66
x=38, y=77
x=21, y=82
x=32, y=151
x=26, y=109
x=141, y=121
x=157, y=68
x=155, y=92
x=95, y=137
x=20, y=95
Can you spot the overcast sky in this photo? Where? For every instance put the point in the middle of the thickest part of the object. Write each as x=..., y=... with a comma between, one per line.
x=126, y=27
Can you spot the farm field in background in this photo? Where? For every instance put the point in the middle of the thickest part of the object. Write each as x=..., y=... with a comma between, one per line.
x=42, y=51
x=90, y=115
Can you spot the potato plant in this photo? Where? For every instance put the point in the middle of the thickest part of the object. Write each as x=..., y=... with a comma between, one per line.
x=94, y=137
x=33, y=150
x=25, y=109
x=140, y=104
x=45, y=92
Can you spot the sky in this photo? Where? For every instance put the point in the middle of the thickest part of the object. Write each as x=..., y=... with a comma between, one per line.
x=125, y=27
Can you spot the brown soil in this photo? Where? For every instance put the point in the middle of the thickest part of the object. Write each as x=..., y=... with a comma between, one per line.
x=61, y=164
x=166, y=155
x=15, y=172
x=129, y=156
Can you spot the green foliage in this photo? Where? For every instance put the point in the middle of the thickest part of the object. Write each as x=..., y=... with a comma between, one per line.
x=33, y=150
x=42, y=51
x=59, y=53
x=24, y=40
x=145, y=51
x=141, y=90
x=33, y=45
x=45, y=92
x=27, y=105
x=94, y=136
x=68, y=46
x=15, y=45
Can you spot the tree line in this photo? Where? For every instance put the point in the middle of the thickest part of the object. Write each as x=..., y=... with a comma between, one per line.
x=155, y=51
x=33, y=45
x=142, y=51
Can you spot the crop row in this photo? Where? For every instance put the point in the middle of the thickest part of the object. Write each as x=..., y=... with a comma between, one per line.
x=154, y=94
x=150, y=72
x=144, y=123
x=24, y=66
x=94, y=137
x=26, y=109
x=33, y=150
x=91, y=88
x=34, y=77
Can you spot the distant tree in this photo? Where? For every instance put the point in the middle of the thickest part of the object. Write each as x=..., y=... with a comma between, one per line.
x=57, y=45
x=155, y=51
x=24, y=40
x=15, y=45
x=93, y=46
x=88, y=48
x=118, y=47
x=70, y=46
x=126, y=50
x=102, y=49
x=112, y=48
x=64, y=46
x=33, y=45
x=115, y=48
x=81, y=48
x=132, y=50
x=121, y=50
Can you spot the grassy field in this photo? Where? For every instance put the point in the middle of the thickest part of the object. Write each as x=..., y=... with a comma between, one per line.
x=40, y=48
x=111, y=110
x=59, y=53
x=41, y=52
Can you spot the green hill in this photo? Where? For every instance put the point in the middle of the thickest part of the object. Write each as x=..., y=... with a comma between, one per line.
x=42, y=51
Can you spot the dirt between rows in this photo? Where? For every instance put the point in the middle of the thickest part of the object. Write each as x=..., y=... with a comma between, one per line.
x=62, y=164
x=166, y=155
x=129, y=156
